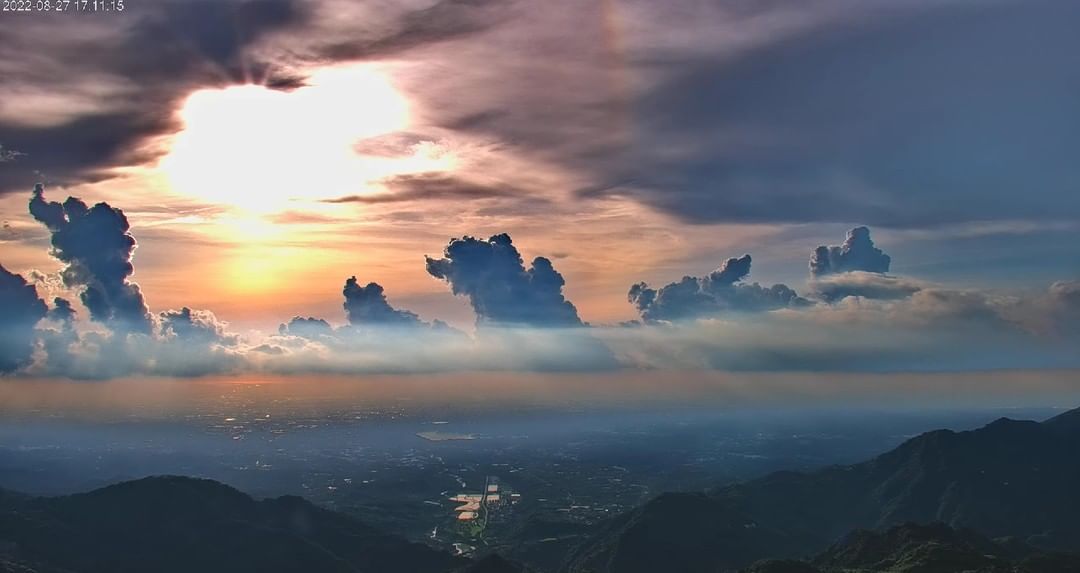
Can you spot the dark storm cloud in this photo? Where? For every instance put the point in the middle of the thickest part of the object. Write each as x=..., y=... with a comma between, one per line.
x=205, y=37
x=500, y=289
x=926, y=113
x=125, y=77
x=20, y=310
x=95, y=244
x=133, y=70
x=858, y=253
x=80, y=149
x=424, y=187
x=367, y=306
x=443, y=20
x=721, y=291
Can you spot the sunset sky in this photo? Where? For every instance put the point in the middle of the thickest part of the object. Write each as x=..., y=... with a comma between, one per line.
x=264, y=152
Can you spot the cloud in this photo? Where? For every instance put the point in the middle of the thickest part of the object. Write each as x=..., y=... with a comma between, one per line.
x=837, y=286
x=501, y=290
x=309, y=327
x=8, y=155
x=875, y=322
x=62, y=312
x=57, y=344
x=934, y=329
x=856, y=268
x=95, y=244
x=858, y=253
x=879, y=112
x=78, y=113
x=194, y=343
x=441, y=21
x=1066, y=294
x=427, y=186
x=367, y=306
x=719, y=292
x=198, y=327
x=390, y=349
x=20, y=310
x=708, y=111
x=1064, y=299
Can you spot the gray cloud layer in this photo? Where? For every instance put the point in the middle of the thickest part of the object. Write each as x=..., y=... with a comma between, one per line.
x=837, y=286
x=901, y=114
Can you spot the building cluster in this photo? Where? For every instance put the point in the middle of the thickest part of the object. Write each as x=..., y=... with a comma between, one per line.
x=493, y=497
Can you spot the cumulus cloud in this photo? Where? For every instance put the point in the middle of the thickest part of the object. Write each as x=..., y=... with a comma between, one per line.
x=716, y=293
x=856, y=268
x=194, y=343
x=195, y=327
x=500, y=289
x=62, y=311
x=367, y=306
x=306, y=327
x=58, y=344
x=20, y=310
x=95, y=244
x=875, y=321
x=858, y=253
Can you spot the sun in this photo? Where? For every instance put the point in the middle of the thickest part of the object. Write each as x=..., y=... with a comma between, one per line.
x=260, y=149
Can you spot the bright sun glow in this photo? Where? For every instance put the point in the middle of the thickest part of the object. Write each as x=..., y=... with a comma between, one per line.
x=258, y=149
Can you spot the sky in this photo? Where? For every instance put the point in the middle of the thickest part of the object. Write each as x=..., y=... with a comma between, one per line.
x=562, y=186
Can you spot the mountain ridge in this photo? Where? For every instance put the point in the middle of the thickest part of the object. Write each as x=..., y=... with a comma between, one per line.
x=179, y=524
x=988, y=479
x=923, y=548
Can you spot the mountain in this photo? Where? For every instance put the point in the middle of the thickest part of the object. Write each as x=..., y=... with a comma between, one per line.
x=493, y=564
x=1008, y=478
x=932, y=548
x=176, y=524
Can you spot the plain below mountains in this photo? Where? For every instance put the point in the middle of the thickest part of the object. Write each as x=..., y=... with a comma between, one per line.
x=1003, y=498
x=1016, y=479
